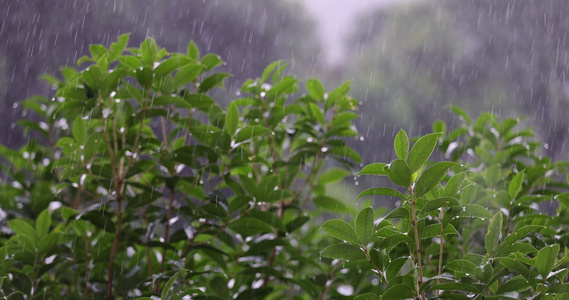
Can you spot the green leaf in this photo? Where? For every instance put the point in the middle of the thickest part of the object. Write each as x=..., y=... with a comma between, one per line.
x=438, y=203
x=399, y=173
x=381, y=191
x=211, y=60
x=116, y=49
x=48, y=242
x=315, y=89
x=516, y=185
x=461, y=265
x=559, y=289
x=398, y=213
x=341, y=230
x=166, y=67
x=475, y=211
x=431, y=177
x=330, y=204
x=187, y=74
x=332, y=175
x=367, y=296
x=506, y=249
x=316, y=112
x=374, y=169
x=171, y=100
x=212, y=81
x=193, y=51
x=393, y=240
x=364, y=225
x=456, y=286
x=515, y=284
x=401, y=145
x=545, y=259
x=515, y=265
x=493, y=236
x=422, y=150
x=80, y=130
x=248, y=226
x=250, y=132
x=394, y=267
x=520, y=233
x=170, y=282
x=344, y=252
x=148, y=51
x=398, y=291
x=22, y=227
x=43, y=223
x=433, y=230
x=454, y=184
x=231, y=118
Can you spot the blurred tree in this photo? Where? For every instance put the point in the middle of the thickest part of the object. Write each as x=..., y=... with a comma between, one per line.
x=38, y=37
x=506, y=56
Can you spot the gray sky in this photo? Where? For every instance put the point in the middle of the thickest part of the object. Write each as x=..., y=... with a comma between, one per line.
x=335, y=18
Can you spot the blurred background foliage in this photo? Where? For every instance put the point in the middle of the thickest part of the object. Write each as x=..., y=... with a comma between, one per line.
x=409, y=59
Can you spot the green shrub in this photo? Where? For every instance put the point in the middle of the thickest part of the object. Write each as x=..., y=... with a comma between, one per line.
x=468, y=228
x=137, y=184
x=141, y=184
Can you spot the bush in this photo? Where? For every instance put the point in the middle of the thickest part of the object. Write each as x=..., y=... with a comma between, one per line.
x=468, y=228
x=139, y=185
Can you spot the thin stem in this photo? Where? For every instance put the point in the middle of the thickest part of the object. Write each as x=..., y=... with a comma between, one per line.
x=441, y=249
x=88, y=257
x=115, y=246
x=376, y=267
x=417, y=242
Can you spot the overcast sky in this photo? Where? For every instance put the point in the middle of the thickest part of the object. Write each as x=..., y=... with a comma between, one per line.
x=335, y=18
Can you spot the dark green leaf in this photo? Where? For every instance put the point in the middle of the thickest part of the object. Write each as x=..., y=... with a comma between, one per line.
x=461, y=265
x=493, y=236
x=545, y=259
x=475, y=211
x=438, y=203
x=515, y=284
x=212, y=81
x=398, y=291
x=399, y=173
x=364, y=225
x=168, y=286
x=341, y=230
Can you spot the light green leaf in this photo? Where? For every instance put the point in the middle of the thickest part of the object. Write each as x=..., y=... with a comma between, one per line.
x=212, y=81
x=316, y=112
x=22, y=227
x=248, y=226
x=454, y=184
x=381, y=192
x=315, y=89
x=401, y=145
x=344, y=252
x=80, y=130
x=422, y=150
x=117, y=48
x=431, y=177
x=516, y=185
x=231, y=118
x=170, y=282
x=374, y=169
x=211, y=61
x=187, y=74
x=493, y=236
x=148, y=51
x=332, y=175
x=250, y=132
x=399, y=173
x=341, y=230
x=171, y=100
x=193, y=51
x=43, y=223
x=330, y=204
x=475, y=211
x=545, y=259
x=364, y=225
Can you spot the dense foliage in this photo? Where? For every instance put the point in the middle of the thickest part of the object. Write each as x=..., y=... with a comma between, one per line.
x=138, y=184
x=467, y=228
